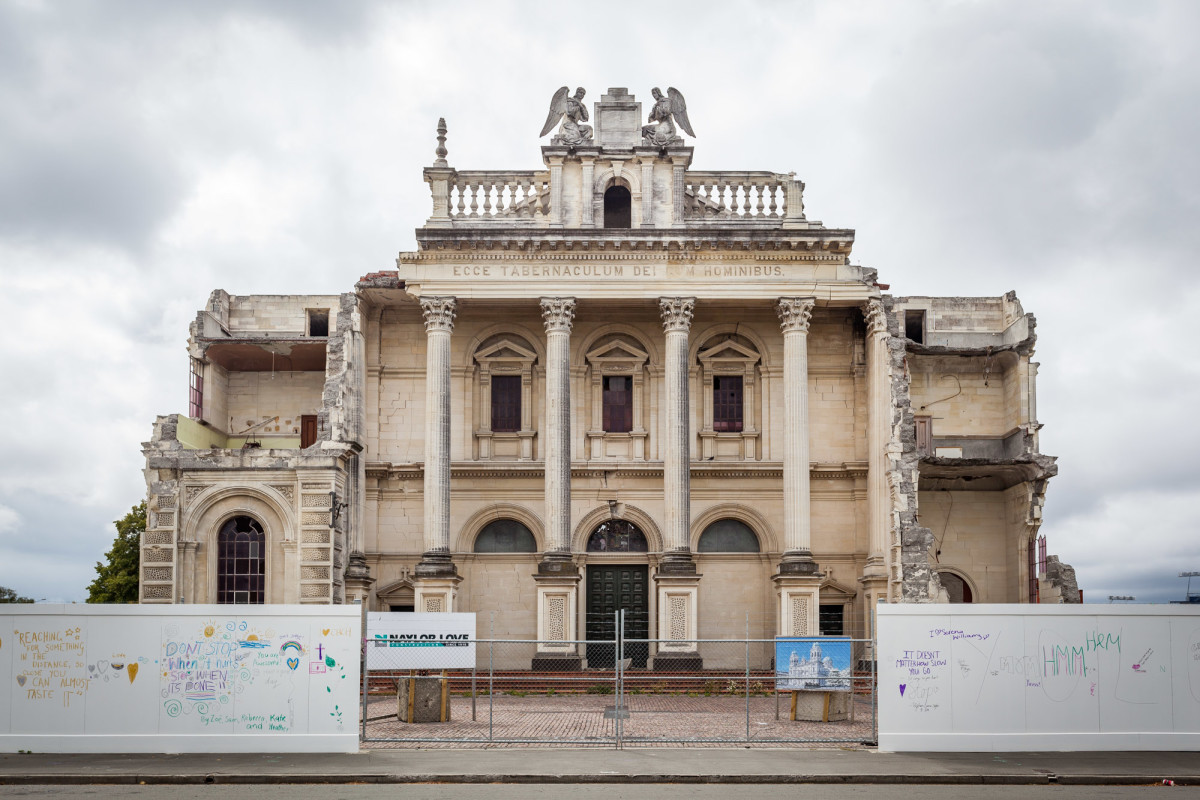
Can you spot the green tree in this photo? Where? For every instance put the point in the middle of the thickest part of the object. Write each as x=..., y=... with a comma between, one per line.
x=117, y=581
x=8, y=595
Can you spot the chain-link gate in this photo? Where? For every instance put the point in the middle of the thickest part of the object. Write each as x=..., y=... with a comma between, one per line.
x=620, y=692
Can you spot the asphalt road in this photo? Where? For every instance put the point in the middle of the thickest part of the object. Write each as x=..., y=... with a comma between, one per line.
x=592, y=792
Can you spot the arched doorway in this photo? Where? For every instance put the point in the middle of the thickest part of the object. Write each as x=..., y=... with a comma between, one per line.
x=613, y=583
x=958, y=590
x=618, y=207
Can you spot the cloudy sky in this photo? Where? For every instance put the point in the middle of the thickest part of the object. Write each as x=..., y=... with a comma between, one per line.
x=151, y=152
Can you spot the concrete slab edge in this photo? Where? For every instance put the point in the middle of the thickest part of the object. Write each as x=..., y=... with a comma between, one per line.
x=59, y=779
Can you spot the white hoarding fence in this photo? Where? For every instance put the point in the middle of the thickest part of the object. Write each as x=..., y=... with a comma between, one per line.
x=195, y=678
x=1027, y=677
x=407, y=641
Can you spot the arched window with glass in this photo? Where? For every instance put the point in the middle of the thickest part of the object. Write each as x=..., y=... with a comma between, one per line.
x=505, y=536
x=728, y=536
x=241, y=562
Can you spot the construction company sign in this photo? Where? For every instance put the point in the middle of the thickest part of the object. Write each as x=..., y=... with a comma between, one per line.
x=408, y=640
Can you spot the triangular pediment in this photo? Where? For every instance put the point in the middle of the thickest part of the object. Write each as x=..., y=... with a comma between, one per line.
x=729, y=350
x=505, y=350
x=401, y=589
x=618, y=351
x=831, y=589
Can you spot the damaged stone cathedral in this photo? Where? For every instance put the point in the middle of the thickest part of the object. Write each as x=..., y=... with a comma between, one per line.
x=612, y=382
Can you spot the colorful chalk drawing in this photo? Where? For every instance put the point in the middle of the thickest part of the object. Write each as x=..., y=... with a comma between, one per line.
x=181, y=675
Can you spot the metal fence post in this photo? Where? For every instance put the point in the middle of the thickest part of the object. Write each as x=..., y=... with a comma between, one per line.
x=874, y=691
x=491, y=671
x=619, y=672
x=366, y=686
x=747, y=676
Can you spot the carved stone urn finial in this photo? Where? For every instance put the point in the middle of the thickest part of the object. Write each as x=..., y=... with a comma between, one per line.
x=440, y=152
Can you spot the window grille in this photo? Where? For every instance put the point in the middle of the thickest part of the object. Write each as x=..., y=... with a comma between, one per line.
x=727, y=403
x=618, y=403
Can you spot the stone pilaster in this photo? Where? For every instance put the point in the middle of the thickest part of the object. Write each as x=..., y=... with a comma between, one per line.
x=879, y=502
x=677, y=583
x=435, y=567
x=556, y=191
x=587, y=202
x=798, y=582
x=647, y=193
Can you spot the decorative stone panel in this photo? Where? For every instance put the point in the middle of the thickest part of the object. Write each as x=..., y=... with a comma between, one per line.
x=156, y=574
x=314, y=573
x=315, y=500
x=312, y=591
x=314, y=554
x=166, y=519
x=556, y=618
x=192, y=492
x=162, y=592
x=314, y=537
x=158, y=556
x=165, y=501
x=157, y=537
x=800, y=616
x=286, y=490
x=433, y=605
x=315, y=518
x=677, y=617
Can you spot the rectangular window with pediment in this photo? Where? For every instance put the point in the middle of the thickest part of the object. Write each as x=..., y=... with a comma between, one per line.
x=618, y=403
x=506, y=403
x=727, y=403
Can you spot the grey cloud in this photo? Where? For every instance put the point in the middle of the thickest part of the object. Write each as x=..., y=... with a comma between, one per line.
x=86, y=185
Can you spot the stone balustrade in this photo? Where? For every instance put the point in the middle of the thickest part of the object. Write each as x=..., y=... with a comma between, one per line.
x=508, y=194
x=737, y=197
x=473, y=197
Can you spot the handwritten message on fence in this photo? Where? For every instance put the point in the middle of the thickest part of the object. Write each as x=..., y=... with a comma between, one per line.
x=160, y=674
x=1021, y=675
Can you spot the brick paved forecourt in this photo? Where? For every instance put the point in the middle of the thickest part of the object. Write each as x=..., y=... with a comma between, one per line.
x=571, y=720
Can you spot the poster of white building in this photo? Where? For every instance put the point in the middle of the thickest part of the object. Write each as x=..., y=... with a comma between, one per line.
x=813, y=663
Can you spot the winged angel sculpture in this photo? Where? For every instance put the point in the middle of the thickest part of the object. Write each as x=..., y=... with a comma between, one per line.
x=572, y=112
x=662, y=133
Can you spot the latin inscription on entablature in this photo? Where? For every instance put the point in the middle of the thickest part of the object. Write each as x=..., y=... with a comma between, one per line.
x=620, y=271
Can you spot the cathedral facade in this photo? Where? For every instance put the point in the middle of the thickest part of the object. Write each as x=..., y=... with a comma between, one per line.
x=613, y=382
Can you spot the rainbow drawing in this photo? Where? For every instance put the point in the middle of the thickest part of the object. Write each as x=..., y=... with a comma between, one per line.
x=291, y=644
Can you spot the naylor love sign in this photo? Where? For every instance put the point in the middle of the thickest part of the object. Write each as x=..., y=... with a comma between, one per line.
x=405, y=640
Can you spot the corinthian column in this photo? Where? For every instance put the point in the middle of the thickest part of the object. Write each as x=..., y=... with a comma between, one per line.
x=794, y=314
x=677, y=584
x=557, y=577
x=558, y=314
x=435, y=567
x=677, y=320
x=798, y=582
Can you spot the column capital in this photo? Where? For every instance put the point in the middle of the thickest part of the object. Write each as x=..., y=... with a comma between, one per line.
x=677, y=313
x=794, y=313
x=875, y=318
x=439, y=313
x=558, y=313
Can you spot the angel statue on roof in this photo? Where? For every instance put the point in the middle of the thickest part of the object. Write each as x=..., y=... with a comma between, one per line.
x=572, y=112
x=662, y=132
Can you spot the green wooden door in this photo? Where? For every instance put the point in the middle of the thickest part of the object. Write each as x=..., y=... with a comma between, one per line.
x=610, y=588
